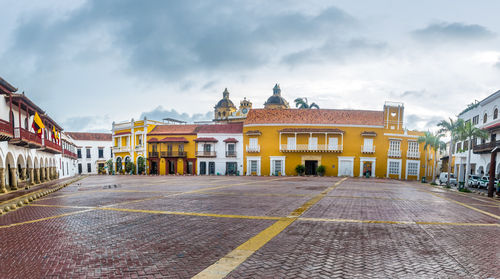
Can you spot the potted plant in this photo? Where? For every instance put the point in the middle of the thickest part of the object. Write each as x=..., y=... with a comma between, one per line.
x=321, y=170
x=300, y=169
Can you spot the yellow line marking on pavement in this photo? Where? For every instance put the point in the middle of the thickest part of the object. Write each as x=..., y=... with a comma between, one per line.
x=44, y=219
x=482, y=204
x=107, y=190
x=233, y=259
x=465, y=205
x=397, y=222
x=190, y=213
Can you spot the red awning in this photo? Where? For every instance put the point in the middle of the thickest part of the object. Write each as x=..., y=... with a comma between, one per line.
x=494, y=126
x=153, y=140
x=231, y=140
x=206, y=140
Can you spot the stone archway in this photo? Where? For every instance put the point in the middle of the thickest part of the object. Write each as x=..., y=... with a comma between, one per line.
x=21, y=168
x=119, y=164
x=10, y=172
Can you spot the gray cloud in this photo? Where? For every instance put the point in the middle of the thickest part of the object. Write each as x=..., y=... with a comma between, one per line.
x=498, y=64
x=169, y=39
x=422, y=122
x=159, y=113
x=87, y=124
x=455, y=31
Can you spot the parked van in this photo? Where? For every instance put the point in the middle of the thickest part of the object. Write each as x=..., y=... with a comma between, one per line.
x=443, y=178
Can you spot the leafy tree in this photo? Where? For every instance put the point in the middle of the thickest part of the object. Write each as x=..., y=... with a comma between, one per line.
x=130, y=167
x=109, y=164
x=427, y=139
x=468, y=132
x=302, y=103
x=433, y=143
x=141, y=165
x=452, y=128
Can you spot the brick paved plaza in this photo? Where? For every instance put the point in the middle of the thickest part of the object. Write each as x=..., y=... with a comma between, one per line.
x=251, y=227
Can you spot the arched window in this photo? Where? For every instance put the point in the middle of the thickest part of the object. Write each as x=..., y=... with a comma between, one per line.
x=495, y=114
x=485, y=118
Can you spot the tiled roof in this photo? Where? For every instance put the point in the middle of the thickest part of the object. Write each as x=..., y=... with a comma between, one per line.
x=308, y=130
x=90, y=136
x=206, y=139
x=230, y=140
x=228, y=128
x=122, y=133
x=315, y=116
x=174, y=129
x=168, y=139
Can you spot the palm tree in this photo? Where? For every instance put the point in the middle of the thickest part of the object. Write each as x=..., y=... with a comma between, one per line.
x=437, y=145
x=468, y=132
x=428, y=139
x=302, y=103
x=451, y=127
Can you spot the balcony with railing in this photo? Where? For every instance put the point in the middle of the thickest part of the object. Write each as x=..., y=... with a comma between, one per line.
x=311, y=148
x=253, y=148
x=139, y=147
x=485, y=147
x=69, y=154
x=206, y=154
x=170, y=154
x=394, y=153
x=51, y=147
x=230, y=153
x=6, y=132
x=368, y=149
x=24, y=137
x=154, y=155
x=117, y=149
x=413, y=154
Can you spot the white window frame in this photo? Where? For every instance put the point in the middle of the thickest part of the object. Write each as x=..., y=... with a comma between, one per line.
x=291, y=144
x=393, y=145
x=394, y=160
x=272, y=159
x=253, y=142
x=333, y=143
x=253, y=158
x=313, y=143
x=418, y=168
x=367, y=159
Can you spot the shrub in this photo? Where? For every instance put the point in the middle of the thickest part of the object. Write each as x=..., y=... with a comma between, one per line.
x=300, y=169
x=141, y=165
x=465, y=190
x=321, y=170
x=109, y=164
x=130, y=168
x=433, y=183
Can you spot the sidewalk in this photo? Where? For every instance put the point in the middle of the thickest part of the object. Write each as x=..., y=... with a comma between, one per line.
x=11, y=196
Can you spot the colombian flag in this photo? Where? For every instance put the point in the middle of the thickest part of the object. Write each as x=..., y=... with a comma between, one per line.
x=37, y=124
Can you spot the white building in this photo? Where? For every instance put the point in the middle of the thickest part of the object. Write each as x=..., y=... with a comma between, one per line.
x=93, y=150
x=219, y=149
x=484, y=115
x=67, y=160
x=26, y=157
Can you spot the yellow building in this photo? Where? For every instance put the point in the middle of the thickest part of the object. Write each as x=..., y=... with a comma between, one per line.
x=345, y=142
x=129, y=141
x=225, y=111
x=171, y=149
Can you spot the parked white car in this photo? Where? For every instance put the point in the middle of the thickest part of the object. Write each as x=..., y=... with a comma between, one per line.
x=474, y=181
x=443, y=178
x=485, y=180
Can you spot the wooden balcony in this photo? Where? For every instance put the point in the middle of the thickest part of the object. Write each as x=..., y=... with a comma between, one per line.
x=69, y=154
x=23, y=137
x=311, y=148
x=170, y=154
x=394, y=153
x=6, y=132
x=485, y=147
x=51, y=147
x=206, y=154
x=368, y=149
x=413, y=154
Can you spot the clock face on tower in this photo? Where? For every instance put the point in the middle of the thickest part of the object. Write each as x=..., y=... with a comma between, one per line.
x=244, y=110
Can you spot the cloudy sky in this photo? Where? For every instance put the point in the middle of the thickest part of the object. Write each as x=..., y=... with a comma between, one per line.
x=91, y=62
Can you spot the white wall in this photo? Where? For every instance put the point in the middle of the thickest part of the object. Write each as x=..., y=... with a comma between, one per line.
x=94, y=154
x=220, y=149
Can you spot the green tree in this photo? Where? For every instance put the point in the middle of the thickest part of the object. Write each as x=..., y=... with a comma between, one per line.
x=130, y=167
x=302, y=103
x=437, y=145
x=453, y=129
x=109, y=164
x=468, y=132
x=427, y=139
x=141, y=165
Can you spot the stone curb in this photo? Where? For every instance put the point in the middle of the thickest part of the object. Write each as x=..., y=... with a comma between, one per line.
x=19, y=202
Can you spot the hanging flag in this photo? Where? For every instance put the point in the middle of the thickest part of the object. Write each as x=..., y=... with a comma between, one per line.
x=37, y=124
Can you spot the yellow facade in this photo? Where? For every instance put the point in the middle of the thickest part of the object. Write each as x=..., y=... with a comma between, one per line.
x=339, y=148
x=129, y=140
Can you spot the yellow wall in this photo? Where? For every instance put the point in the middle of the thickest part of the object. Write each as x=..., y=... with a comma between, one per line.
x=352, y=142
x=189, y=148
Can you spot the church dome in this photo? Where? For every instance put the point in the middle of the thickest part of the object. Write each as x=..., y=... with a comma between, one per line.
x=276, y=101
x=225, y=102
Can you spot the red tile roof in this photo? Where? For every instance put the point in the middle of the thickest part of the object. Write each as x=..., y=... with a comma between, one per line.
x=228, y=128
x=206, y=139
x=308, y=130
x=90, y=136
x=122, y=133
x=230, y=140
x=174, y=129
x=168, y=139
x=315, y=116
